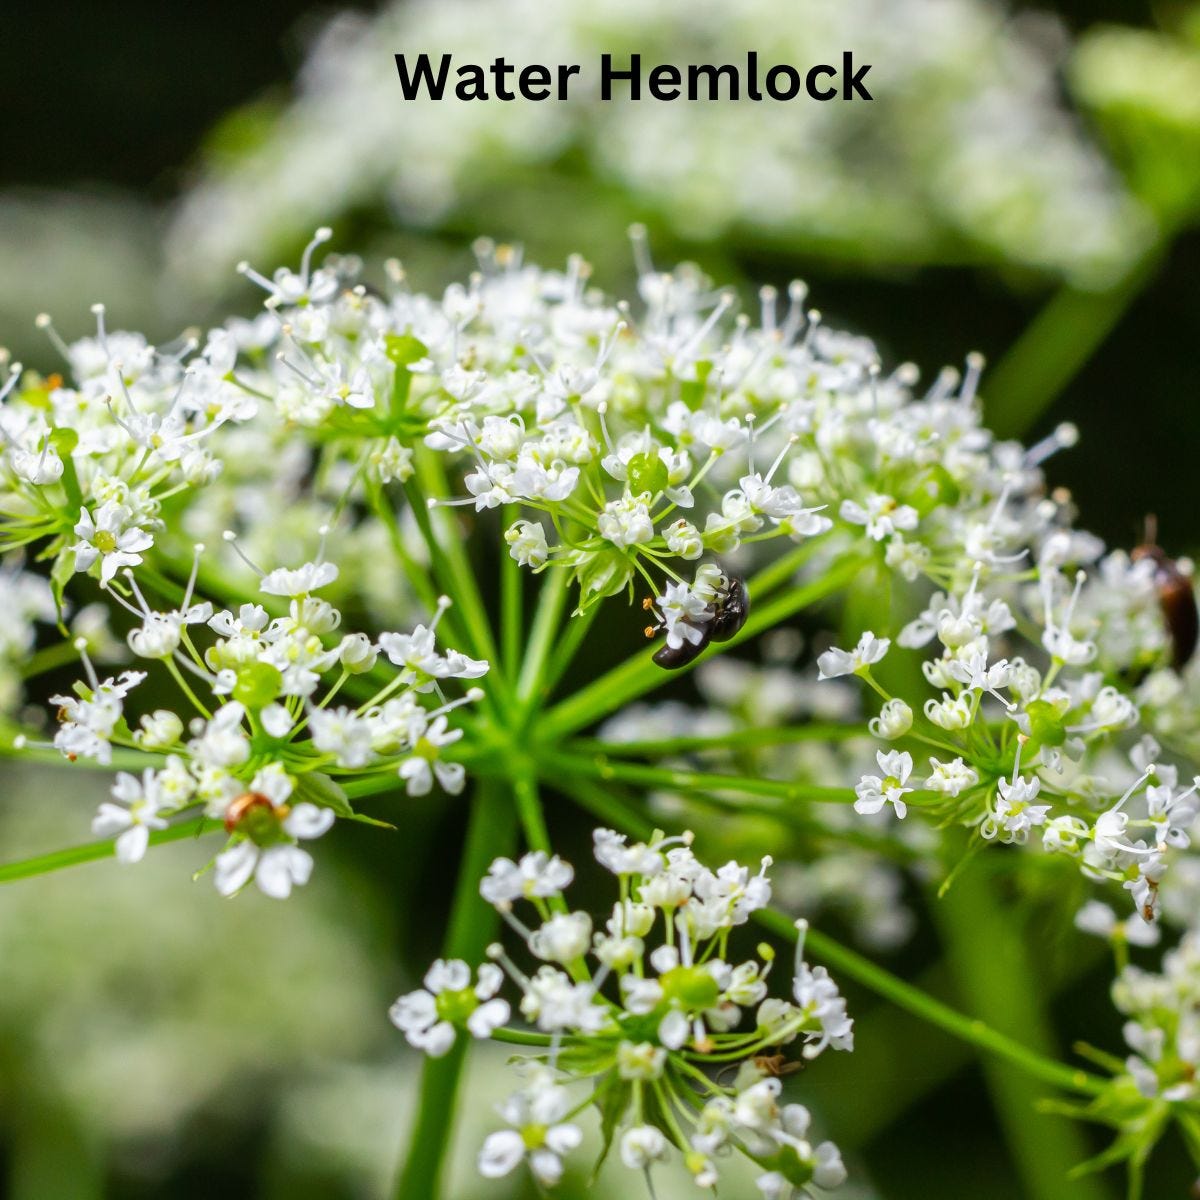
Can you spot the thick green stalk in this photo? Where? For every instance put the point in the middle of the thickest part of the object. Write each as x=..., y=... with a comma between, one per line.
x=999, y=984
x=472, y=927
x=417, y=576
x=565, y=650
x=639, y=674
x=546, y=620
x=529, y=812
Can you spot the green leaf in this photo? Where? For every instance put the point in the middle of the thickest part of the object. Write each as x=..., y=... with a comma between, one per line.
x=317, y=788
x=612, y=1098
x=60, y=574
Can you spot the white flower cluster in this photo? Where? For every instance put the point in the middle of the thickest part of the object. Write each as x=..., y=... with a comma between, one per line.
x=622, y=445
x=1162, y=1025
x=937, y=168
x=267, y=738
x=645, y=1027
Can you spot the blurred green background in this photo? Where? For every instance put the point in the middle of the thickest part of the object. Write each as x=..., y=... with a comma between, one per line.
x=155, y=1041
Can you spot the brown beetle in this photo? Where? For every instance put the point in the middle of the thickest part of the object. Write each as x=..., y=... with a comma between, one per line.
x=239, y=806
x=1175, y=595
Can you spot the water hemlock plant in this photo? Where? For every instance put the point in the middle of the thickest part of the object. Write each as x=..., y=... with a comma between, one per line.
x=294, y=521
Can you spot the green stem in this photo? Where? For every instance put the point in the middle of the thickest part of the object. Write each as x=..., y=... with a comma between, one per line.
x=640, y=674
x=904, y=995
x=417, y=576
x=529, y=812
x=74, y=855
x=578, y=628
x=785, y=567
x=449, y=555
x=551, y=602
x=738, y=739
x=599, y=767
x=50, y=657
x=472, y=927
x=511, y=604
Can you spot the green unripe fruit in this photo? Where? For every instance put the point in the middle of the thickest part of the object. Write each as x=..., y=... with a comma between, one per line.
x=647, y=473
x=1045, y=723
x=258, y=683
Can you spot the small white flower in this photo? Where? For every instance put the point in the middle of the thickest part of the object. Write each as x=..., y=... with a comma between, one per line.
x=429, y=1016
x=894, y=721
x=113, y=537
x=875, y=791
x=132, y=823
x=950, y=778
x=535, y=874
x=640, y=1061
x=539, y=1134
x=643, y=1145
x=881, y=515
x=299, y=582
x=835, y=662
x=527, y=543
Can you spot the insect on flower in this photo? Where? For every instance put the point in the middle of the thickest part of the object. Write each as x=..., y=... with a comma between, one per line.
x=777, y=1066
x=1176, y=596
x=242, y=805
x=718, y=622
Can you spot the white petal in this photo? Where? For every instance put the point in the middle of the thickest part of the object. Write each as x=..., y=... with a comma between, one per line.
x=500, y=1153
x=276, y=720
x=308, y=821
x=562, y=1139
x=436, y=1041
x=448, y=975
x=490, y=978
x=131, y=845
x=487, y=1018
x=110, y=819
x=234, y=867
x=279, y=868
x=417, y=1010
x=546, y=1166
x=673, y=1030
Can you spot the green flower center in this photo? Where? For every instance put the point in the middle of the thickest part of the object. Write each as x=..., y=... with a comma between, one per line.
x=456, y=1007
x=692, y=988
x=534, y=1136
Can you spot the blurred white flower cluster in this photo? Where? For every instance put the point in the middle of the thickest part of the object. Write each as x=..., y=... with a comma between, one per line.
x=939, y=168
x=638, y=1026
